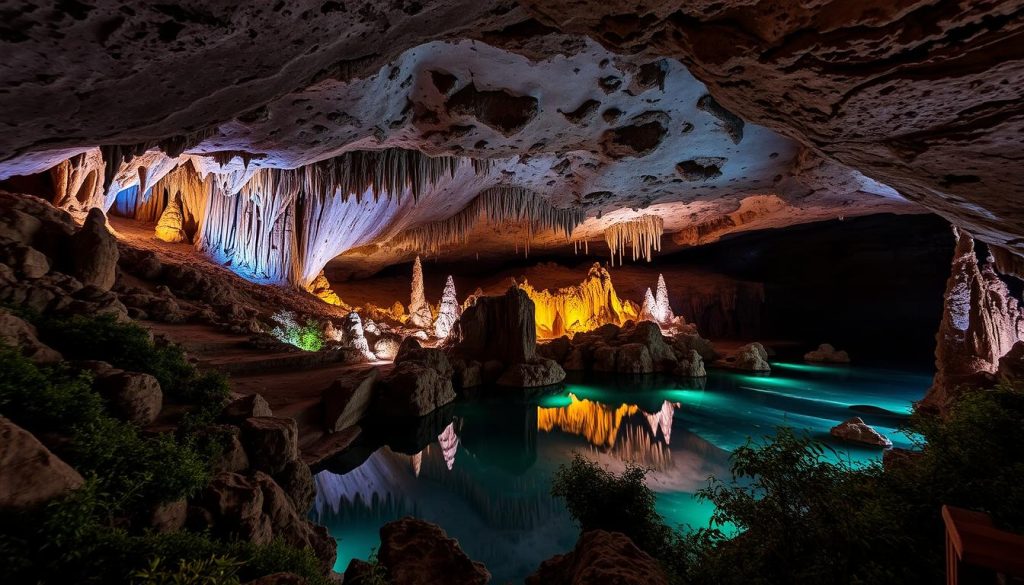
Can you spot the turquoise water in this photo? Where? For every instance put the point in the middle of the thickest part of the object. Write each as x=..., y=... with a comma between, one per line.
x=482, y=469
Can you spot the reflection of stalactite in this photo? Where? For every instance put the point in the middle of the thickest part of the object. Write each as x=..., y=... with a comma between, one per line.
x=583, y=307
x=597, y=423
x=636, y=445
x=449, y=442
x=642, y=235
x=495, y=205
x=601, y=424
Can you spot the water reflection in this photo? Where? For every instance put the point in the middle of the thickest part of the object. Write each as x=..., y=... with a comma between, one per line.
x=483, y=469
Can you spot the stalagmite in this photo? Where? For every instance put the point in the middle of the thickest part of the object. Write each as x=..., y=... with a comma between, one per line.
x=448, y=312
x=169, y=228
x=981, y=322
x=642, y=235
x=495, y=205
x=321, y=288
x=583, y=307
x=419, y=310
x=663, y=310
x=648, y=311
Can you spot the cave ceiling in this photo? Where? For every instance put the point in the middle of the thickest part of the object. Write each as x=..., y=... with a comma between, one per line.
x=762, y=113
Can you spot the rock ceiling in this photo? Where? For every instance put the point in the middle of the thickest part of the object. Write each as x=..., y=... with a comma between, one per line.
x=715, y=116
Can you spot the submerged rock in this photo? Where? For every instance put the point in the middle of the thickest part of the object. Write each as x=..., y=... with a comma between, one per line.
x=856, y=430
x=827, y=354
x=414, y=552
x=29, y=473
x=600, y=557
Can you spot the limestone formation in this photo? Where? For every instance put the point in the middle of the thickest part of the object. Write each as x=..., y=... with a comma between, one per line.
x=981, y=322
x=649, y=309
x=663, y=309
x=827, y=354
x=642, y=235
x=583, y=307
x=751, y=357
x=95, y=252
x=448, y=311
x=856, y=430
x=419, y=310
x=348, y=399
x=30, y=474
x=169, y=227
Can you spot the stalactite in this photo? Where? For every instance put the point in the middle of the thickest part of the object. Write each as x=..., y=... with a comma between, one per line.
x=495, y=205
x=448, y=311
x=642, y=235
x=419, y=310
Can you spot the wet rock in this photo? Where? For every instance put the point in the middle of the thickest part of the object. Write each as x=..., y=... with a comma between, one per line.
x=414, y=552
x=539, y=372
x=827, y=354
x=29, y=473
x=428, y=356
x=95, y=252
x=348, y=399
x=691, y=366
x=751, y=357
x=412, y=389
x=856, y=430
x=18, y=333
x=252, y=405
x=132, y=396
x=600, y=557
x=633, y=358
x=270, y=442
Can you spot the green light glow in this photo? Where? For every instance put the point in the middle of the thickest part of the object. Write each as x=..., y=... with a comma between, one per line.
x=816, y=369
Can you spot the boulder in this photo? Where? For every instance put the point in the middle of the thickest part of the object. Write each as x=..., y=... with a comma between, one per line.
x=408, y=344
x=348, y=399
x=18, y=333
x=537, y=372
x=649, y=335
x=468, y=374
x=682, y=343
x=855, y=430
x=243, y=407
x=827, y=354
x=232, y=454
x=31, y=263
x=498, y=328
x=414, y=552
x=751, y=357
x=94, y=251
x=600, y=557
x=270, y=442
x=691, y=367
x=132, y=396
x=234, y=505
x=412, y=389
x=297, y=482
x=385, y=347
x=30, y=474
x=169, y=516
x=556, y=349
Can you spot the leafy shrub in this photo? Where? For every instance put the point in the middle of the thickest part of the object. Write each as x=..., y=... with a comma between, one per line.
x=216, y=570
x=307, y=336
x=45, y=398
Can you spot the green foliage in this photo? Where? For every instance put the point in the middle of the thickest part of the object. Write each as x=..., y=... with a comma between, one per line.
x=45, y=398
x=800, y=515
x=307, y=336
x=129, y=347
x=378, y=573
x=216, y=570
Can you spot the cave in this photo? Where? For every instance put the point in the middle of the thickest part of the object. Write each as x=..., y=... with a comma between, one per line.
x=511, y=291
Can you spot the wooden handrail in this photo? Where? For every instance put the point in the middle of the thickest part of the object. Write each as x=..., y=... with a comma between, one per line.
x=972, y=539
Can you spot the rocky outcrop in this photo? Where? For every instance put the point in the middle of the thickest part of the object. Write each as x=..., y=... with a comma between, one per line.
x=538, y=372
x=636, y=348
x=414, y=552
x=132, y=396
x=243, y=407
x=412, y=389
x=95, y=252
x=600, y=557
x=419, y=310
x=855, y=430
x=30, y=474
x=981, y=322
x=752, y=357
x=827, y=354
x=271, y=442
x=690, y=366
x=18, y=333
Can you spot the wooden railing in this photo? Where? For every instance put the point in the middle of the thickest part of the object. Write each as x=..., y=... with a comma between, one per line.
x=972, y=540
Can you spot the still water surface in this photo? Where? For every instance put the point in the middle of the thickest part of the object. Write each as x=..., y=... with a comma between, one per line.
x=482, y=470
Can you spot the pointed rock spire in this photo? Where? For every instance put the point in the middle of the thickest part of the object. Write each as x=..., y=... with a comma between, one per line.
x=419, y=310
x=663, y=311
x=448, y=312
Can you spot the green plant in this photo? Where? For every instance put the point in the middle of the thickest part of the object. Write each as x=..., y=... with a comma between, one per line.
x=216, y=570
x=307, y=336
